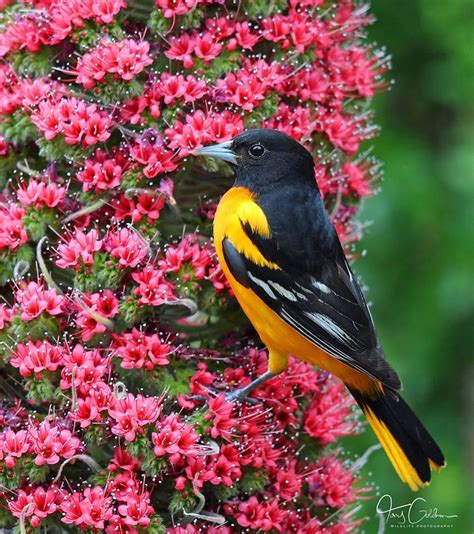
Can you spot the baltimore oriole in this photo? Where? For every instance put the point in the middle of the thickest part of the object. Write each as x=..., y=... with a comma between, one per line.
x=287, y=268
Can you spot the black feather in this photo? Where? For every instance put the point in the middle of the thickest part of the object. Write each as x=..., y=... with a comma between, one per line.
x=406, y=428
x=235, y=263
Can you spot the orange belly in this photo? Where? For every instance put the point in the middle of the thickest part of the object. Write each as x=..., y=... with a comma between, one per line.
x=281, y=339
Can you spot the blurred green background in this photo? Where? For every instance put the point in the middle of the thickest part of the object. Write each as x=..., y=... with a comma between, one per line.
x=420, y=248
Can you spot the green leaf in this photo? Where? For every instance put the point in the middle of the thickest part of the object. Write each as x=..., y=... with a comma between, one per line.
x=57, y=149
x=253, y=481
x=130, y=312
x=176, y=378
x=40, y=390
x=37, y=221
x=224, y=493
x=18, y=128
x=153, y=466
x=156, y=525
x=44, y=326
x=192, y=19
x=33, y=64
x=182, y=501
x=9, y=259
x=157, y=22
x=36, y=473
x=141, y=446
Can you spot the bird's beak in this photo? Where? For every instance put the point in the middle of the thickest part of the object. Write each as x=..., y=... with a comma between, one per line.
x=220, y=151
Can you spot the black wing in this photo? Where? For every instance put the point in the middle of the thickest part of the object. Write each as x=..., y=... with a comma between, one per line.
x=326, y=306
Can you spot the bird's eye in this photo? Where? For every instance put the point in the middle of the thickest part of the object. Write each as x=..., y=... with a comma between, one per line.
x=257, y=150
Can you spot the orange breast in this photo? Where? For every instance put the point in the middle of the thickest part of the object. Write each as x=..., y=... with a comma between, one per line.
x=237, y=206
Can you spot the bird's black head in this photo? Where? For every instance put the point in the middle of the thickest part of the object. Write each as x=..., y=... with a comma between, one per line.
x=263, y=158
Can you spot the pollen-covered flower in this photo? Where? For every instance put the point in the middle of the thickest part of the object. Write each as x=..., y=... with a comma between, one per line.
x=133, y=413
x=174, y=438
x=126, y=246
x=79, y=250
x=35, y=357
x=125, y=58
x=33, y=299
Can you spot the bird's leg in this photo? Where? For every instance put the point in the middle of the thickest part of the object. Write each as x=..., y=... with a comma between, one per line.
x=243, y=393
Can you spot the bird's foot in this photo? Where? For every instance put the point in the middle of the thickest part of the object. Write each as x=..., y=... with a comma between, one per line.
x=231, y=396
x=240, y=394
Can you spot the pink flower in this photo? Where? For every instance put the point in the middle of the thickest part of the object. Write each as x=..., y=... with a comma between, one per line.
x=277, y=28
x=171, y=8
x=86, y=412
x=288, y=483
x=72, y=510
x=197, y=471
x=6, y=315
x=250, y=514
x=14, y=445
x=188, y=251
x=107, y=9
x=244, y=37
x=101, y=173
x=273, y=517
x=33, y=300
x=127, y=246
x=84, y=370
x=96, y=129
x=49, y=443
x=332, y=483
x=29, y=193
x=174, y=438
x=136, y=511
x=220, y=414
x=226, y=468
x=40, y=503
x=12, y=233
x=78, y=122
x=248, y=87
x=123, y=460
x=358, y=180
x=343, y=131
x=206, y=47
x=137, y=350
x=131, y=414
x=149, y=151
x=329, y=414
x=52, y=195
x=93, y=312
x=96, y=507
x=79, y=249
x=181, y=48
x=35, y=357
x=125, y=58
x=302, y=30
x=97, y=395
x=153, y=289
x=132, y=59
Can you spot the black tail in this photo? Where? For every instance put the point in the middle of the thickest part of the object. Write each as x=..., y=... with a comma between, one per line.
x=409, y=446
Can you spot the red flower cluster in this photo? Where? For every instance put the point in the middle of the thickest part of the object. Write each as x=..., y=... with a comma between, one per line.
x=119, y=336
x=125, y=60
x=46, y=443
x=12, y=230
x=74, y=119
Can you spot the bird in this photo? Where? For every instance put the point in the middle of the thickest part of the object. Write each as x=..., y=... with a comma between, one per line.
x=287, y=268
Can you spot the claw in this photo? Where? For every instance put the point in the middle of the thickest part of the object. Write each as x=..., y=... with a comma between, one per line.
x=240, y=395
x=243, y=393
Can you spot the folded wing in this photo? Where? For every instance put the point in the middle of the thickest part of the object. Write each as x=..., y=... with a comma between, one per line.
x=325, y=306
